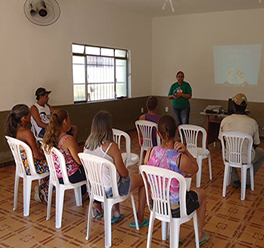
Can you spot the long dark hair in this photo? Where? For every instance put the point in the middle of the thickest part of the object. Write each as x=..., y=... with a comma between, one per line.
x=14, y=119
x=101, y=130
x=53, y=129
x=167, y=127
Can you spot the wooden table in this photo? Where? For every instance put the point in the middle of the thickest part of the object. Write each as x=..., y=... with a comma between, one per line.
x=212, y=126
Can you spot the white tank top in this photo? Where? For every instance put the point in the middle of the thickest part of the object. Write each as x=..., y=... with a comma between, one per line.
x=44, y=113
x=106, y=173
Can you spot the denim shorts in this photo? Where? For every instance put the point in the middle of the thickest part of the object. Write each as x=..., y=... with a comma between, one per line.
x=123, y=187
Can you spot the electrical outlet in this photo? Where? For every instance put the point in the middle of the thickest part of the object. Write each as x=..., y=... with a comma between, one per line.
x=166, y=109
x=142, y=110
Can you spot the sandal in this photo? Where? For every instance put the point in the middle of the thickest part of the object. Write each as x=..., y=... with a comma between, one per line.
x=85, y=197
x=117, y=219
x=43, y=196
x=205, y=240
x=144, y=223
x=37, y=194
x=97, y=214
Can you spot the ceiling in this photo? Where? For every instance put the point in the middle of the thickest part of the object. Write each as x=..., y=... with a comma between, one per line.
x=154, y=7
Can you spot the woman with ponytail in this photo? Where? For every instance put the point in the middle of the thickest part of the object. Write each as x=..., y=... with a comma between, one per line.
x=16, y=124
x=174, y=156
x=56, y=136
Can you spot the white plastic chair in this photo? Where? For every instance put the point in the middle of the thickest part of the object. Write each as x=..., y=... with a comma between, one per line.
x=34, y=130
x=60, y=188
x=144, y=130
x=233, y=146
x=128, y=157
x=15, y=146
x=156, y=178
x=93, y=166
x=189, y=134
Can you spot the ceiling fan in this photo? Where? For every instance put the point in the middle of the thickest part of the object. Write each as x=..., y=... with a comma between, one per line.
x=171, y=5
x=42, y=12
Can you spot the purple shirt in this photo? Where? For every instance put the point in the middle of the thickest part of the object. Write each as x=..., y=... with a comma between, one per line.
x=155, y=119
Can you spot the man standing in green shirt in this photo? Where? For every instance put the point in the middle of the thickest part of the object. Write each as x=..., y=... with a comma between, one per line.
x=180, y=93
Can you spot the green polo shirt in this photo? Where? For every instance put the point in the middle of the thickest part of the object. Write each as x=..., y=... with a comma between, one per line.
x=181, y=102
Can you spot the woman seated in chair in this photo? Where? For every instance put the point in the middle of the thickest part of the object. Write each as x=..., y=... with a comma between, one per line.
x=16, y=124
x=174, y=156
x=151, y=115
x=101, y=143
x=56, y=136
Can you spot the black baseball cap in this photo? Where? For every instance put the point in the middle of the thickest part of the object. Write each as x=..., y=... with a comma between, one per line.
x=42, y=92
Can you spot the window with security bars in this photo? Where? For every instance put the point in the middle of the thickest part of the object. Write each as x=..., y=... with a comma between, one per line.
x=99, y=73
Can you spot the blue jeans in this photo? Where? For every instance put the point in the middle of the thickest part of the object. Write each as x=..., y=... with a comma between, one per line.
x=181, y=115
x=123, y=187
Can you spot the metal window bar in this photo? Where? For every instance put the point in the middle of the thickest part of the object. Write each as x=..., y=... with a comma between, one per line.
x=104, y=88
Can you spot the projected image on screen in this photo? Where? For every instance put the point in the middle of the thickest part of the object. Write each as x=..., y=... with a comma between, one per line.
x=237, y=65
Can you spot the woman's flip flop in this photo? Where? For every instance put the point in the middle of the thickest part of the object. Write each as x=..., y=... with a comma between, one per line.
x=117, y=219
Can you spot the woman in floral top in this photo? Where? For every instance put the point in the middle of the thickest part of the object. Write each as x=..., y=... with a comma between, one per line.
x=174, y=156
x=56, y=136
x=16, y=124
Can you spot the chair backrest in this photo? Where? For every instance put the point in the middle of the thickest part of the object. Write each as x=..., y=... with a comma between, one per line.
x=145, y=128
x=189, y=134
x=159, y=180
x=118, y=134
x=234, y=146
x=16, y=146
x=93, y=167
x=54, y=156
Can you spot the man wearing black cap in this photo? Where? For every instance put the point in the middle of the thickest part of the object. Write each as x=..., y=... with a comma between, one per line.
x=240, y=122
x=41, y=112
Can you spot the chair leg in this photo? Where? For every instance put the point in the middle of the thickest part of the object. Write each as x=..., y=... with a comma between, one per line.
x=134, y=210
x=150, y=229
x=107, y=224
x=243, y=182
x=141, y=155
x=26, y=195
x=229, y=176
x=195, y=224
x=16, y=191
x=252, y=178
x=59, y=206
x=49, y=200
x=164, y=225
x=78, y=196
x=89, y=217
x=174, y=234
x=226, y=178
x=210, y=166
x=199, y=173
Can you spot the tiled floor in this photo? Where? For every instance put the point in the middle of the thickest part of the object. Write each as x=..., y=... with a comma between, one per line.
x=231, y=222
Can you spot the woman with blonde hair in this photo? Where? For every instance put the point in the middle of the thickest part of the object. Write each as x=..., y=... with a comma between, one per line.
x=56, y=136
x=16, y=124
x=101, y=143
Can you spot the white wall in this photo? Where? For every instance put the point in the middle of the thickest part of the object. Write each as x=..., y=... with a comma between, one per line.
x=186, y=43
x=33, y=56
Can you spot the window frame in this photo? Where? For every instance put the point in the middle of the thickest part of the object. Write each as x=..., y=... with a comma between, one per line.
x=85, y=55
